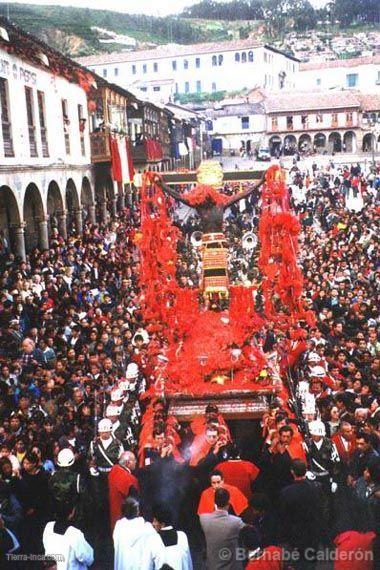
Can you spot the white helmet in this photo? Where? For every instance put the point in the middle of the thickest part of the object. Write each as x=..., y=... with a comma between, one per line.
x=317, y=372
x=314, y=357
x=317, y=427
x=116, y=395
x=112, y=411
x=132, y=370
x=104, y=425
x=65, y=458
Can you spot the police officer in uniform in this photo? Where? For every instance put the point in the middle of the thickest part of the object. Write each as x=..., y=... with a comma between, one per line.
x=104, y=453
x=67, y=485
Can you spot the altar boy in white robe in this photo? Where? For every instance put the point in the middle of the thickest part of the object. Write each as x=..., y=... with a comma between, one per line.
x=177, y=551
x=137, y=545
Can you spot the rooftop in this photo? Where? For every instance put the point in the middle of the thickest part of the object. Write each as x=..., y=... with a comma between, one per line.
x=173, y=50
x=352, y=62
x=302, y=101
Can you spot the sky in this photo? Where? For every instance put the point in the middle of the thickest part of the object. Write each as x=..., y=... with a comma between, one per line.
x=152, y=7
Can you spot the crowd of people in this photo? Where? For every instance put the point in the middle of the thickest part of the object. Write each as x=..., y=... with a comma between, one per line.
x=74, y=481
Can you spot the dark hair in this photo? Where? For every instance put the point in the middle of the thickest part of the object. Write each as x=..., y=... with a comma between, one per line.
x=374, y=470
x=249, y=538
x=32, y=457
x=222, y=498
x=259, y=501
x=299, y=468
x=283, y=429
x=364, y=435
x=216, y=473
x=130, y=508
x=162, y=514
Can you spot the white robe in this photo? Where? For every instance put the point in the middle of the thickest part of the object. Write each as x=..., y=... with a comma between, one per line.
x=137, y=545
x=71, y=550
x=178, y=556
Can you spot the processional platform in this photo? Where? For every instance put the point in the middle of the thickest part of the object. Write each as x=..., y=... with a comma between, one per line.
x=232, y=404
x=190, y=177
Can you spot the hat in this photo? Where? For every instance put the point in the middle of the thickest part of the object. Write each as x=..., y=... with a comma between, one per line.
x=112, y=411
x=116, y=395
x=317, y=427
x=314, y=357
x=317, y=371
x=104, y=425
x=65, y=458
x=132, y=370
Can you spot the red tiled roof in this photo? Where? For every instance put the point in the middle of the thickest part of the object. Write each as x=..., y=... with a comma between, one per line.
x=353, y=62
x=370, y=102
x=306, y=101
x=169, y=50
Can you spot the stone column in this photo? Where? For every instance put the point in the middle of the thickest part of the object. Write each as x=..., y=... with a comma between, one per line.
x=62, y=224
x=78, y=221
x=113, y=207
x=91, y=213
x=104, y=211
x=18, y=239
x=121, y=200
x=43, y=233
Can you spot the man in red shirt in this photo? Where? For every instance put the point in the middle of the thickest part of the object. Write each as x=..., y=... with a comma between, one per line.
x=121, y=484
x=239, y=473
x=207, y=501
x=345, y=442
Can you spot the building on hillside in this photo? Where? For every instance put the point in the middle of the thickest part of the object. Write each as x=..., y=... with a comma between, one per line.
x=320, y=122
x=362, y=73
x=236, y=127
x=199, y=68
x=46, y=178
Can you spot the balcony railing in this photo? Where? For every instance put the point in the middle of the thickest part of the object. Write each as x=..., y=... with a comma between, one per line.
x=32, y=141
x=44, y=143
x=7, y=139
x=100, y=147
x=67, y=143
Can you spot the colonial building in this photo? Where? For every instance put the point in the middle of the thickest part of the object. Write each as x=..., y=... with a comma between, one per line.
x=316, y=121
x=236, y=126
x=46, y=178
x=362, y=73
x=198, y=68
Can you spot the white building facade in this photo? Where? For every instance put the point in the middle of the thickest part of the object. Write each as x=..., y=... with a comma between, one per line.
x=46, y=177
x=362, y=73
x=199, y=68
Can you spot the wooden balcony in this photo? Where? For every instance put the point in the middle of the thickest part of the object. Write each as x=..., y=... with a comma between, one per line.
x=100, y=147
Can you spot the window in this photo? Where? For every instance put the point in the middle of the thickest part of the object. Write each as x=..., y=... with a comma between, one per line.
x=250, y=56
x=304, y=121
x=116, y=71
x=157, y=88
x=145, y=69
x=214, y=60
x=197, y=62
x=378, y=78
x=237, y=57
x=42, y=117
x=199, y=87
x=349, y=118
x=66, y=124
x=319, y=81
x=352, y=79
x=245, y=122
x=155, y=67
x=82, y=125
x=220, y=60
x=213, y=87
x=319, y=118
x=209, y=126
x=6, y=126
x=334, y=119
x=31, y=121
x=244, y=57
x=274, y=124
x=265, y=56
x=174, y=65
x=134, y=70
x=185, y=64
x=144, y=89
x=187, y=87
x=289, y=123
x=176, y=88
x=104, y=73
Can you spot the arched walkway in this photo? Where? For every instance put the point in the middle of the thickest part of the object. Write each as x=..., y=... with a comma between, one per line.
x=290, y=145
x=105, y=198
x=55, y=207
x=10, y=220
x=36, y=232
x=275, y=145
x=349, y=141
x=74, y=214
x=368, y=142
x=335, y=142
x=87, y=200
x=320, y=142
x=304, y=143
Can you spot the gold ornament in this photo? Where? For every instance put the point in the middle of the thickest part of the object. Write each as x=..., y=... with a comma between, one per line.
x=220, y=379
x=210, y=173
